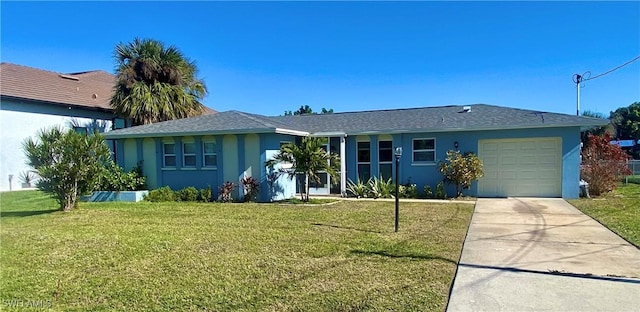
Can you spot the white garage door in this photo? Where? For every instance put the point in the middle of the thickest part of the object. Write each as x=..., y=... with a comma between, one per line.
x=521, y=167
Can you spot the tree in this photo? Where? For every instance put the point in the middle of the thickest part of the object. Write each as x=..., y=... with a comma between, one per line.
x=461, y=170
x=627, y=122
x=155, y=83
x=603, y=164
x=306, y=110
x=309, y=157
x=67, y=162
x=584, y=135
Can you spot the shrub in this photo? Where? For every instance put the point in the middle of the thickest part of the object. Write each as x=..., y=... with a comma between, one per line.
x=113, y=178
x=460, y=170
x=251, y=188
x=379, y=188
x=206, y=194
x=603, y=164
x=440, y=192
x=225, y=193
x=427, y=191
x=163, y=194
x=67, y=162
x=408, y=190
x=357, y=189
x=188, y=194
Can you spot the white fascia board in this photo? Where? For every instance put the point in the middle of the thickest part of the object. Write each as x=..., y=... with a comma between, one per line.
x=291, y=132
x=110, y=136
x=329, y=134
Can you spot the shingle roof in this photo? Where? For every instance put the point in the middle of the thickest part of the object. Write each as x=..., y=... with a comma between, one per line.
x=430, y=119
x=423, y=119
x=92, y=89
x=219, y=123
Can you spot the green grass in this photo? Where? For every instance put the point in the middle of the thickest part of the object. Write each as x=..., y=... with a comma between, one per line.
x=228, y=257
x=619, y=211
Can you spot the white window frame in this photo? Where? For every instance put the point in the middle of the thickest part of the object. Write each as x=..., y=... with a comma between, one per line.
x=165, y=154
x=185, y=154
x=414, y=151
x=387, y=162
x=205, y=154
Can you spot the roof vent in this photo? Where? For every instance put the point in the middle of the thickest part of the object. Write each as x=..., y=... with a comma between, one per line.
x=466, y=109
x=94, y=96
x=69, y=77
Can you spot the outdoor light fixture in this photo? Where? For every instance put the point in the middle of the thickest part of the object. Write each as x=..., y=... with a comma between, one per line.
x=455, y=144
x=398, y=153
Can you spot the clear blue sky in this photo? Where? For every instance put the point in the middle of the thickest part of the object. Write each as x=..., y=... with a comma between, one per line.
x=268, y=57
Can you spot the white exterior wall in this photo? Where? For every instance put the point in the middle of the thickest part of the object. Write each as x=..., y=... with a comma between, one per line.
x=15, y=127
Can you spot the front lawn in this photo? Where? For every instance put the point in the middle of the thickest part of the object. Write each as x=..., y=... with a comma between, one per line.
x=192, y=256
x=619, y=211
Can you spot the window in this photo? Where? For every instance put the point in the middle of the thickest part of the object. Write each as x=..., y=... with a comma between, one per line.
x=210, y=157
x=424, y=150
x=364, y=161
x=385, y=159
x=169, y=152
x=189, y=154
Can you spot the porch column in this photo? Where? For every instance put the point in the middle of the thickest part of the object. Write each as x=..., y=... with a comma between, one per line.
x=343, y=167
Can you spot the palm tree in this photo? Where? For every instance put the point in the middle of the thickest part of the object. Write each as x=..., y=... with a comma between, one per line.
x=155, y=83
x=309, y=157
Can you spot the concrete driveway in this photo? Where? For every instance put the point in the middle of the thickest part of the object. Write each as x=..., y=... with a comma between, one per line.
x=534, y=254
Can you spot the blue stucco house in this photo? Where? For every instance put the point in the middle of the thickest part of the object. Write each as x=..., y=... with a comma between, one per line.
x=525, y=152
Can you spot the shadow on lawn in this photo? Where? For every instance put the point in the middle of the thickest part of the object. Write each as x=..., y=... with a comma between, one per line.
x=29, y=213
x=345, y=228
x=401, y=255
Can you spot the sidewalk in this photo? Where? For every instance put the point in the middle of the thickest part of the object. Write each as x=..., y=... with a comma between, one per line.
x=533, y=254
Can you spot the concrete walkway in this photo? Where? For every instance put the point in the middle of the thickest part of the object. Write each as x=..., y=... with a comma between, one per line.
x=533, y=254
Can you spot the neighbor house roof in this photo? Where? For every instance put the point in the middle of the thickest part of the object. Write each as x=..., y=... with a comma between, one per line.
x=423, y=119
x=89, y=89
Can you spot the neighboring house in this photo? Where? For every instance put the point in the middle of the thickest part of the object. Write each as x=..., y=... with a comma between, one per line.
x=32, y=99
x=525, y=152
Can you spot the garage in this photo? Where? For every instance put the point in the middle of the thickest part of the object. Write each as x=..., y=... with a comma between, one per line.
x=526, y=167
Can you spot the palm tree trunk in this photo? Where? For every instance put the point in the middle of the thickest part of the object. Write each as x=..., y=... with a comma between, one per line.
x=306, y=187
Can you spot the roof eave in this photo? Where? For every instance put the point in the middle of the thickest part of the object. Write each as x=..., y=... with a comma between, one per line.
x=79, y=106
x=399, y=131
x=115, y=136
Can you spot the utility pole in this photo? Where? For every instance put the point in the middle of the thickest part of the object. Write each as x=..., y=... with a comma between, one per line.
x=577, y=79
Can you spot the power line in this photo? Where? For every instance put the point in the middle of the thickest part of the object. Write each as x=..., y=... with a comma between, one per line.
x=612, y=70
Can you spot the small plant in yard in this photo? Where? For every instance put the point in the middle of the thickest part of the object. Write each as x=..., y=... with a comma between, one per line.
x=188, y=194
x=251, y=188
x=440, y=192
x=27, y=178
x=603, y=164
x=358, y=189
x=225, y=193
x=163, y=194
x=206, y=194
x=461, y=169
x=427, y=191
